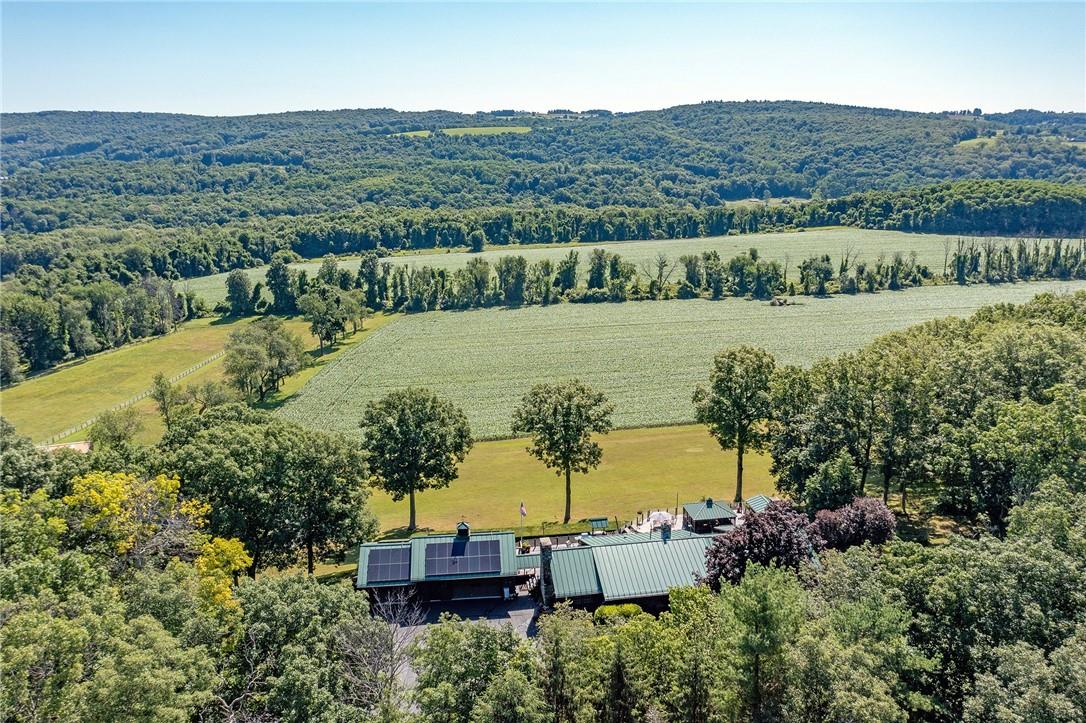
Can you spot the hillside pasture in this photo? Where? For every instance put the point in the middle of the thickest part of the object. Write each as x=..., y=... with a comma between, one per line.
x=646, y=356
x=790, y=247
x=72, y=393
x=68, y=395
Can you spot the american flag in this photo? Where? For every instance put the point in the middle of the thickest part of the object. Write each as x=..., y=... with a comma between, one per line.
x=523, y=511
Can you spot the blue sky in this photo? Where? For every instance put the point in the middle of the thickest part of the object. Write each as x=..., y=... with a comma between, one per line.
x=258, y=57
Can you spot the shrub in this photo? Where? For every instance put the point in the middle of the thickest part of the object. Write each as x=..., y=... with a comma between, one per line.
x=866, y=519
x=616, y=614
x=833, y=485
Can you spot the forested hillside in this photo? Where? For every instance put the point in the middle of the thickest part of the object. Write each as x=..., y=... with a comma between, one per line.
x=102, y=211
x=68, y=169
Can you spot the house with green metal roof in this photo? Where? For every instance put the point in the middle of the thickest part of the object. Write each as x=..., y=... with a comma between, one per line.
x=634, y=571
x=757, y=503
x=463, y=565
x=708, y=516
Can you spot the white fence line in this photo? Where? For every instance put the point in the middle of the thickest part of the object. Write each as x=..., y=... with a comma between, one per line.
x=129, y=402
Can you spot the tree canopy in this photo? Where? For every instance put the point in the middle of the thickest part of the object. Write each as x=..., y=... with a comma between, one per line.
x=414, y=441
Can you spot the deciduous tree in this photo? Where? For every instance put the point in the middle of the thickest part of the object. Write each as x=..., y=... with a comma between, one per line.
x=736, y=404
x=561, y=419
x=414, y=441
x=260, y=355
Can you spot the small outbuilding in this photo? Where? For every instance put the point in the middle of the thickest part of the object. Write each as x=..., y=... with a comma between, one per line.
x=757, y=503
x=708, y=517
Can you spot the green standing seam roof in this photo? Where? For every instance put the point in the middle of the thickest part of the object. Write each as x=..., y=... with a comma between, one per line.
x=633, y=570
x=507, y=549
x=758, y=503
x=529, y=561
x=573, y=573
x=649, y=569
x=700, y=512
x=627, y=538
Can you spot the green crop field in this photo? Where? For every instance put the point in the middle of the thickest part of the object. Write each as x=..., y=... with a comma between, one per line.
x=642, y=470
x=791, y=247
x=646, y=356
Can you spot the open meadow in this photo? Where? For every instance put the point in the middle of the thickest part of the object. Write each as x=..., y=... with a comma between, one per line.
x=647, y=356
x=792, y=247
x=642, y=470
x=72, y=393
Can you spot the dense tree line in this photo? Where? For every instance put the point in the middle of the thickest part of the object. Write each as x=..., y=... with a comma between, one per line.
x=81, y=255
x=999, y=208
x=73, y=169
x=607, y=277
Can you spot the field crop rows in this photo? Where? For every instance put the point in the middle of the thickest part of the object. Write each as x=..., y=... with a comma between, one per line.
x=646, y=356
x=794, y=246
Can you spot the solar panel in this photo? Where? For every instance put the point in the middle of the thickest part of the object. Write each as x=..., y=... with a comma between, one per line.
x=461, y=557
x=390, y=564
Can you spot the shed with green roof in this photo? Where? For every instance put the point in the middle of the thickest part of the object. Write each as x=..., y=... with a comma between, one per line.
x=757, y=503
x=705, y=517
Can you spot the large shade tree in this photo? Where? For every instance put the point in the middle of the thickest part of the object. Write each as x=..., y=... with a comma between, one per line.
x=736, y=404
x=414, y=441
x=275, y=486
x=561, y=419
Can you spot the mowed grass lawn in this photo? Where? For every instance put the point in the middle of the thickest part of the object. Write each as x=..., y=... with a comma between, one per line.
x=642, y=470
x=646, y=356
x=45, y=405
x=792, y=247
x=49, y=403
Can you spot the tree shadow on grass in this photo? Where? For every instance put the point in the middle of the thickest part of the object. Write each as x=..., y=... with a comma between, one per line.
x=401, y=533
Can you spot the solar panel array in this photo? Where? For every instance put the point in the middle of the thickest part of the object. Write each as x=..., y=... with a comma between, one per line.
x=389, y=565
x=463, y=558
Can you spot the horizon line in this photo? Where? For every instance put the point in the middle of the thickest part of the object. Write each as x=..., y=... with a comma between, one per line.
x=525, y=111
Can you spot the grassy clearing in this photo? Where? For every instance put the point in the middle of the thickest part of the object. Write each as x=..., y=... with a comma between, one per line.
x=485, y=130
x=76, y=392
x=642, y=469
x=646, y=356
x=792, y=247
x=470, y=131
